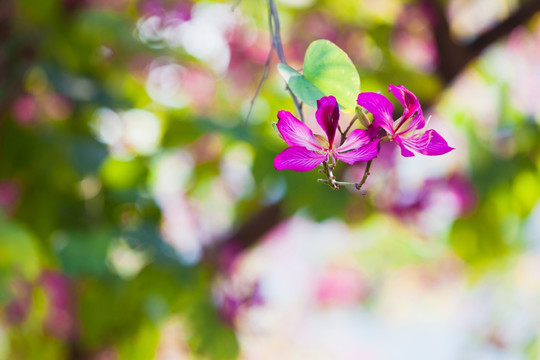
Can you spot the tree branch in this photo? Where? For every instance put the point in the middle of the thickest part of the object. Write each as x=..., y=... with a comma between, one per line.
x=520, y=16
x=249, y=233
x=454, y=57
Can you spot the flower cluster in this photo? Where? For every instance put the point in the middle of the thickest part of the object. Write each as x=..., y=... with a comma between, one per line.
x=307, y=150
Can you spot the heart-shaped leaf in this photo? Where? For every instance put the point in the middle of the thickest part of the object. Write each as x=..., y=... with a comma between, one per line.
x=330, y=69
x=327, y=71
x=300, y=86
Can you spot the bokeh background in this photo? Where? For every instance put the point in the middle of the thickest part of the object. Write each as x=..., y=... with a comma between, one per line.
x=141, y=216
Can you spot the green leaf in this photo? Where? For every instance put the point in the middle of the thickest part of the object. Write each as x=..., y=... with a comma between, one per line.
x=327, y=71
x=300, y=86
x=19, y=253
x=330, y=69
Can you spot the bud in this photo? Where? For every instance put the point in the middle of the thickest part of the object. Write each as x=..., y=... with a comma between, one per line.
x=362, y=117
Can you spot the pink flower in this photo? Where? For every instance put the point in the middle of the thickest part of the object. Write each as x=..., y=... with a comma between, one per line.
x=407, y=131
x=306, y=150
x=61, y=319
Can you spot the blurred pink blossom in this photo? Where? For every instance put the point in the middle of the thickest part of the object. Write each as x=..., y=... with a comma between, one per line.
x=17, y=309
x=9, y=195
x=413, y=39
x=55, y=106
x=456, y=186
x=61, y=319
x=24, y=109
x=341, y=286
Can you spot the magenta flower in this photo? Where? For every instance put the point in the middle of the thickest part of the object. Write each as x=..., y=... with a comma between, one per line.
x=306, y=150
x=407, y=131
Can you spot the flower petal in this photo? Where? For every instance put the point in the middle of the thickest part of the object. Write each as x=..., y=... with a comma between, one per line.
x=328, y=116
x=356, y=139
x=411, y=106
x=364, y=153
x=380, y=107
x=430, y=143
x=373, y=130
x=295, y=132
x=409, y=125
x=404, y=151
x=298, y=158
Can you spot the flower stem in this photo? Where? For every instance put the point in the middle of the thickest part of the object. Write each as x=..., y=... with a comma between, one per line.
x=344, y=133
x=344, y=183
x=366, y=174
x=331, y=181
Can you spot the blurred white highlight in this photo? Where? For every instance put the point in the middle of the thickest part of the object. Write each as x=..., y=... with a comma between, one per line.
x=129, y=132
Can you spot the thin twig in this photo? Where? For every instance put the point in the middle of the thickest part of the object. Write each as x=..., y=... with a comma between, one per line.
x=273, y=21
x=366, y=174
x=344, y=183
x=275, y=29
x=263, y=78
x=344, y=133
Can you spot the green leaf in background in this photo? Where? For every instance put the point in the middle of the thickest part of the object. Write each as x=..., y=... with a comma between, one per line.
x=19, y=257
x=212, y=338
x=83, y=253
x=122, y=174
x=145, y=345
x=19, y=253
x=327, y=71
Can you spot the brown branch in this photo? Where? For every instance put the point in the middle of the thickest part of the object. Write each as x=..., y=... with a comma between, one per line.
x=251, y=231
x=520, y=16
x=454, y=57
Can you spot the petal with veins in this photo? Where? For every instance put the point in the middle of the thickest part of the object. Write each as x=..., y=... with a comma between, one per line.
x=430, y=143
x=404, y=151
x=411, y=105
x=298, y=158
x=408, y=126
x=364, y=153
x=356, y=139
x=295, y=132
